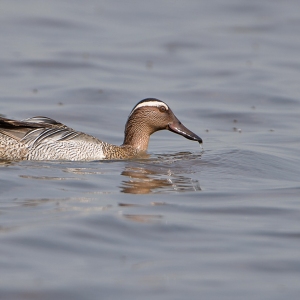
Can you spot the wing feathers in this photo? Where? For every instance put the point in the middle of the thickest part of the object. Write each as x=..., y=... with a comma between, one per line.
x=37, y=130
x=44, y=121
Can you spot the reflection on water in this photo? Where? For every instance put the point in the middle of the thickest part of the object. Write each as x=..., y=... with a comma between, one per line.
x=146, y=181
x=51, y=190
x=83, y=171
x=142, y=181
x=143, y=218
x=48, y=177
x=4, y=163
x=156, y=176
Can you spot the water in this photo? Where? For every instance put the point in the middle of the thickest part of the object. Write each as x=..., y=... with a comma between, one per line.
x=222, y=223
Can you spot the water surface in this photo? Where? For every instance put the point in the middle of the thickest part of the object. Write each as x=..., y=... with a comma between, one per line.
x=222, y=223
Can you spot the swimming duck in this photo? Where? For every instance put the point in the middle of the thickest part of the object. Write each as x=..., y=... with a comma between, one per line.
x=42, y=138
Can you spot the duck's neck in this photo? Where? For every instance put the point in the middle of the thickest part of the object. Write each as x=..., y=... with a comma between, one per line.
x=137, y=136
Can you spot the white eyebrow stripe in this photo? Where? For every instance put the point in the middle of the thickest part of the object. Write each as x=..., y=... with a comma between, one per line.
x=150, y=103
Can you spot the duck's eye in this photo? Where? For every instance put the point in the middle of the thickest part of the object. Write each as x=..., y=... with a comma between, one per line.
x=162, y=109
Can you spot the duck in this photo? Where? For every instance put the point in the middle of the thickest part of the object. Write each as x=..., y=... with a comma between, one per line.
x=42, y=138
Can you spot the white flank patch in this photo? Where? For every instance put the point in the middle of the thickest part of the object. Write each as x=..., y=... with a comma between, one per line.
x=150, y=103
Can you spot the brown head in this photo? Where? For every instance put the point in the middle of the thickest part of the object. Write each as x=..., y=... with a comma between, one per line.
x=149, y=116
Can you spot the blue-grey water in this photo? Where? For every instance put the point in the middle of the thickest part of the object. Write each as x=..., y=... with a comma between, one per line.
x=222, y=223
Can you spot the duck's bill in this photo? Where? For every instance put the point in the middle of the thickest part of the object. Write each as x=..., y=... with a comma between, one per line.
x=179, y=128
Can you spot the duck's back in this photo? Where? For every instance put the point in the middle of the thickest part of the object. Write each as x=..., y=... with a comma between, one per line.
x=42, y=138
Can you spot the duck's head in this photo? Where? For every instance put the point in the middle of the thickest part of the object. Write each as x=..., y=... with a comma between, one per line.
x=149, y=116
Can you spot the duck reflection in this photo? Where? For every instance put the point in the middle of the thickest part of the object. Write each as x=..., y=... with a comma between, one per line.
x=4, y=163
x=153, y=179
x=143, y=218
x=142, y=181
